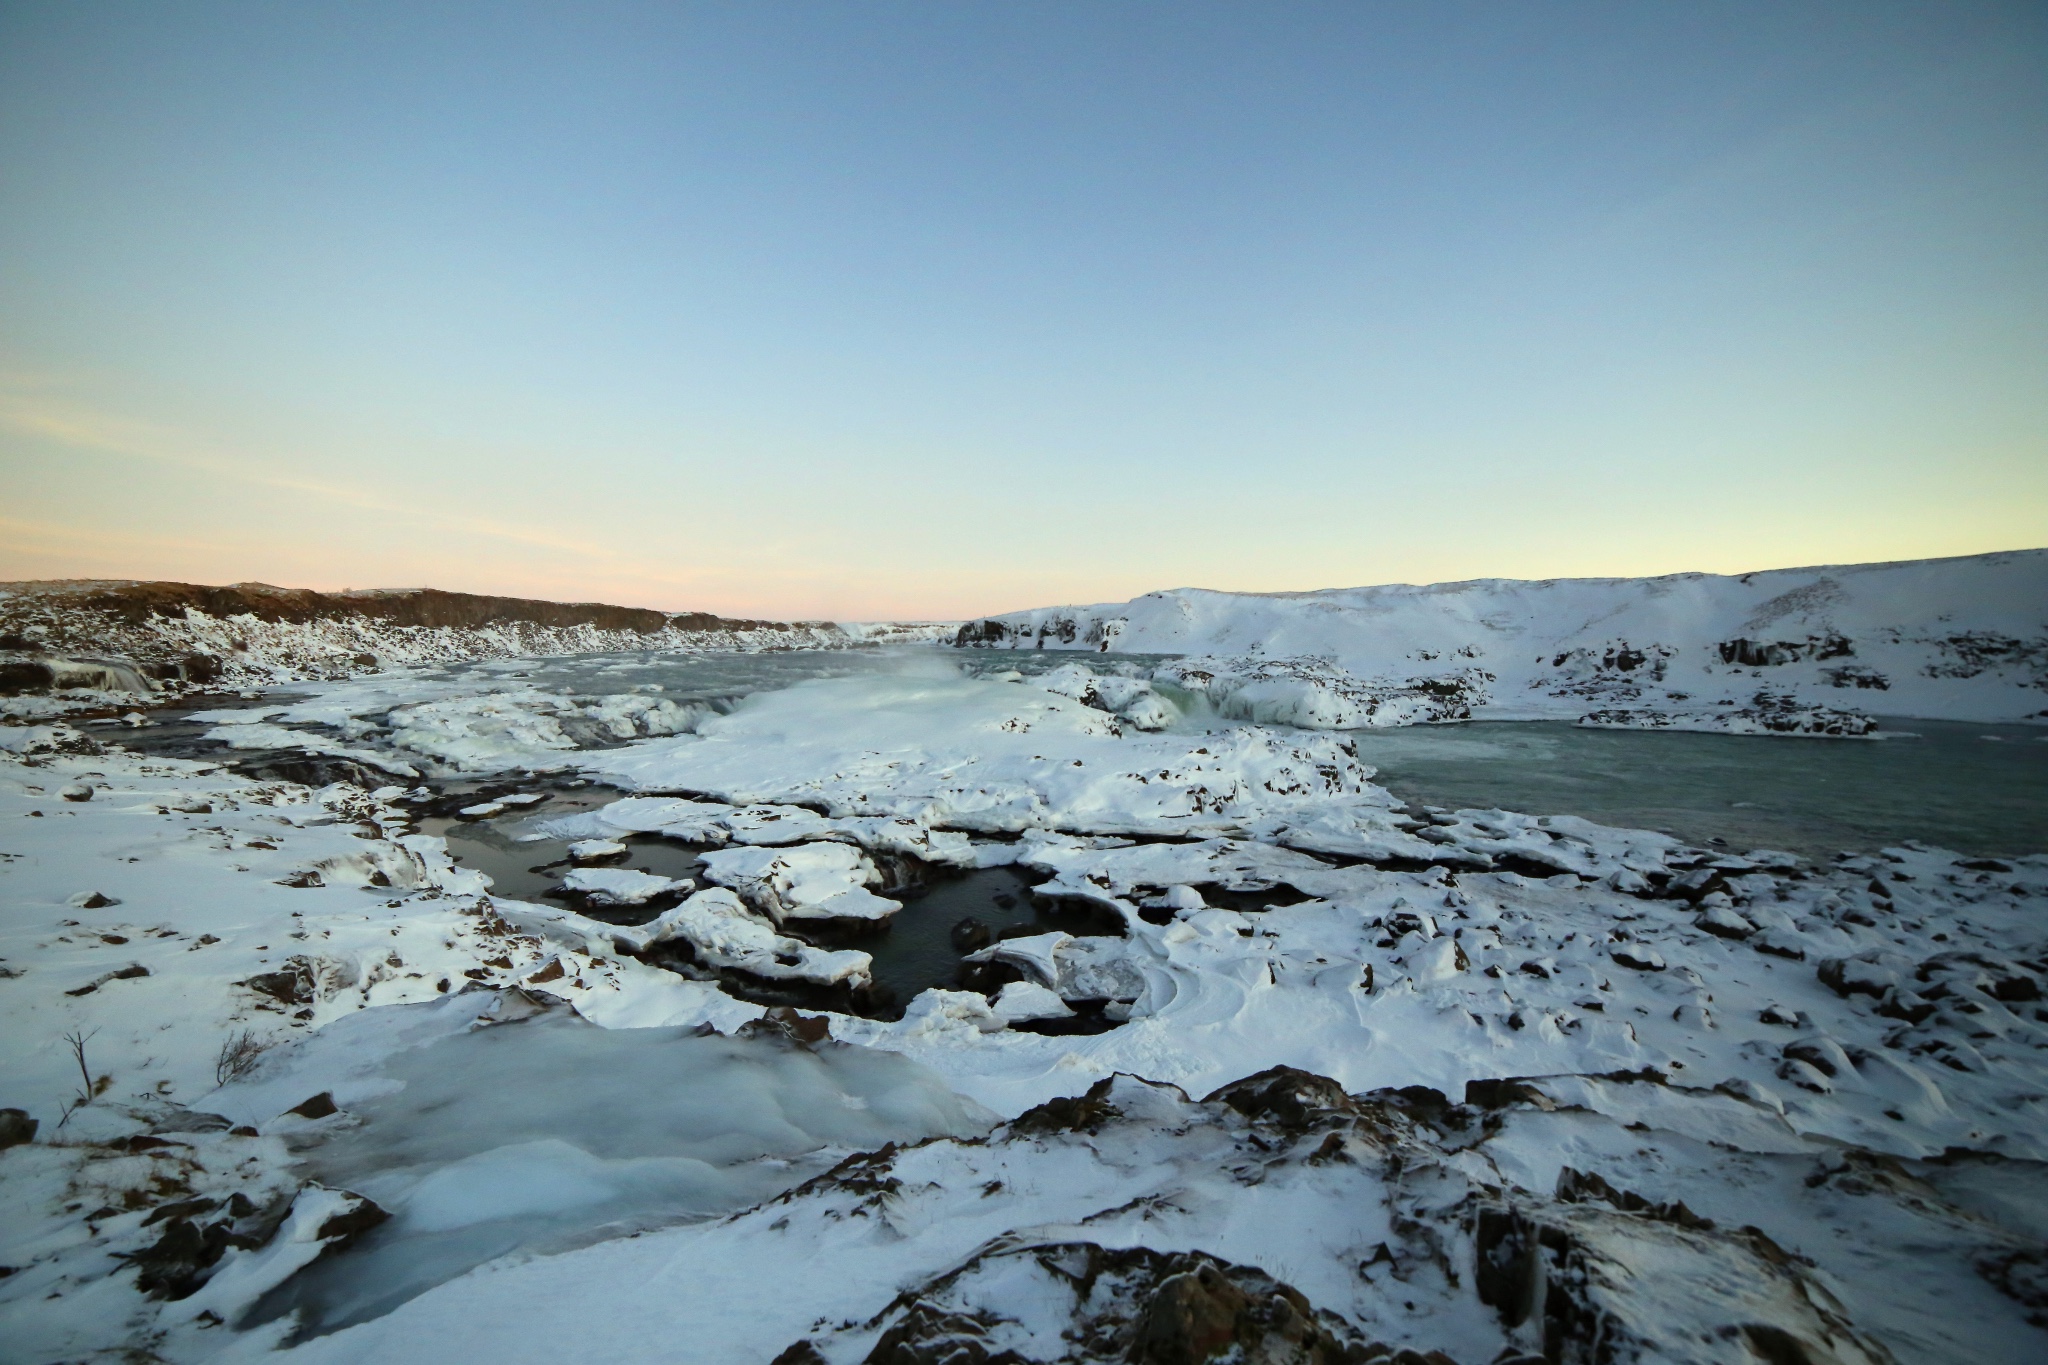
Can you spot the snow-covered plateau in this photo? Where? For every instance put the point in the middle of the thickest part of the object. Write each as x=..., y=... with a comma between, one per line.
x=1790, y=651
x=912, y=1007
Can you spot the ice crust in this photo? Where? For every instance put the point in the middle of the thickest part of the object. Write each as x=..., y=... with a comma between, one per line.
x=547, y=1132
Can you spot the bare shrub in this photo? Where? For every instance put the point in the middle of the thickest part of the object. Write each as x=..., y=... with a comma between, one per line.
x=239, y=1054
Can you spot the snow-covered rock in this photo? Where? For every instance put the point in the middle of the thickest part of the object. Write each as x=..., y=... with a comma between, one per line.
x=808, y=881
x=619, y=885
x=725, y=932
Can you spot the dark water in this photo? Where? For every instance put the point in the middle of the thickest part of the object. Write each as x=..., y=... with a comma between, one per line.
x=916, y=949
x=1980, y=789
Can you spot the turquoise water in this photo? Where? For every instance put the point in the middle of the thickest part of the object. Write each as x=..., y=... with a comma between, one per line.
x=1980, y=789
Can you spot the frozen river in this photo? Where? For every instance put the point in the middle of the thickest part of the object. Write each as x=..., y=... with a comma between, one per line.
x=1978, y=789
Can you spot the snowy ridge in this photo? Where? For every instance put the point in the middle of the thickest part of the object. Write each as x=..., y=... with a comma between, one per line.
x=141, y=638
x=1784, y=651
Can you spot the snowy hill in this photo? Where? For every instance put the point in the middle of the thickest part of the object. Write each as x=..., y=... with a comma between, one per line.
x=144, y=638
x=1789, y=649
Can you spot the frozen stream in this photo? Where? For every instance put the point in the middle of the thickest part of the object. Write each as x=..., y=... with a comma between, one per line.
x=548, y=1133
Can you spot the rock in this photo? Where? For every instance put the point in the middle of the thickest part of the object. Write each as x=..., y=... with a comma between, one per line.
x=1823, y=1054
x=1126, y=1304
x=1192, y=1316
x=292, y=986
x=1805, y=1076
x=303, y=880
x=2014, y=988
x=342, y=1228
x=127, y=973
x=970, y=934
x=176, y=1263
x=91, y=900
x=192, y=805
x=783, y=1024
x=617, y=886
x=1580, y=1267
x=16, y=1127
x=77, y=791
x=1906, y=1005
x=927, y=1335
x=1847, y=976
x=1288, y=1096
x=595, y=850
x=1068, y=1113
x=1723, y=923
x=1638, y=958
x=1023, y=1001
x=318, y=1107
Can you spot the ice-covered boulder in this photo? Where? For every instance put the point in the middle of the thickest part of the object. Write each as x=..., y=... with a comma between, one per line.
x=809, y=881
x=1087, y=968
x=620, y=885
x=723, y=931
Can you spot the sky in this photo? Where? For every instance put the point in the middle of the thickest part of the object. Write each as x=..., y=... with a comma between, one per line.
x=870, y=310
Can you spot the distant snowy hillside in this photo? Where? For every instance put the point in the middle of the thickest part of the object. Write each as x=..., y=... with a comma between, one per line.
x=1794, y=650
x=146, y=638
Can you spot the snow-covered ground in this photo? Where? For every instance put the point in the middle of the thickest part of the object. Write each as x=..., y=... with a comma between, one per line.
x=1549, y=1088
x=1795, y=651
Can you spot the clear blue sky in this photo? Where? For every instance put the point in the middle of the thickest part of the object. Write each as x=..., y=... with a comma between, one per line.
x=855, y=310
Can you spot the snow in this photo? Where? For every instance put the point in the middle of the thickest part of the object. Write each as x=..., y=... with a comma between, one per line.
x=725, y=932
x=619, y=886
x=1366, y=1207
x=1505, y=1006
x=810, y=881
x=968, y=754
x=1769, y=652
